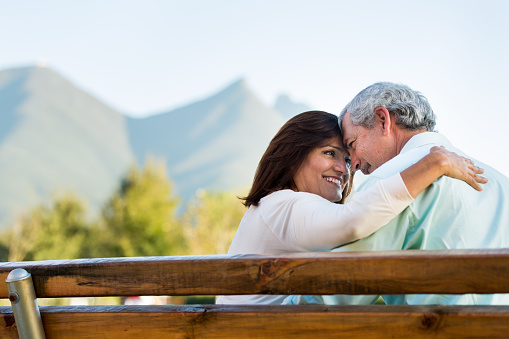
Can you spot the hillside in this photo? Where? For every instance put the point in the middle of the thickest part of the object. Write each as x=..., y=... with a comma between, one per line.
x=214, y=143
x=54, y=138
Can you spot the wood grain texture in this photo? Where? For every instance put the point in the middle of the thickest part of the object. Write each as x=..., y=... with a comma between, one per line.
x=392, y=272
x=260, y=321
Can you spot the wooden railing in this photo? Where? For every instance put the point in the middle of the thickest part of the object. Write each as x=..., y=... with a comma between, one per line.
x=395, y=272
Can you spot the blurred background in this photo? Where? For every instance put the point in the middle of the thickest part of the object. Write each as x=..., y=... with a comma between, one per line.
x=129, y=128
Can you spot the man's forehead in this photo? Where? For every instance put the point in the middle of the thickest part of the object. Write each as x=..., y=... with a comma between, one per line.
x=346, y=125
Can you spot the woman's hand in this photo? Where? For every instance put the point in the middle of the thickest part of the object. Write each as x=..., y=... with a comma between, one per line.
x=459, y=167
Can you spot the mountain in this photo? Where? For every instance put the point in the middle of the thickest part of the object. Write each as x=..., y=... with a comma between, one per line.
x=214, y=143
x=288, y=107
x=55, y=137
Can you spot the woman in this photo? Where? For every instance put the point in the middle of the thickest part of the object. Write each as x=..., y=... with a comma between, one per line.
x=295, y=203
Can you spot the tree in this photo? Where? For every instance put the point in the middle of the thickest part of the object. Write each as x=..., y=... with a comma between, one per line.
x=55, y=232
x=139, y=219
x=210, y=222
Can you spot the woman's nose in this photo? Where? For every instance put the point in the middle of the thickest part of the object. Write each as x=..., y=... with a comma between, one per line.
x=340, y=166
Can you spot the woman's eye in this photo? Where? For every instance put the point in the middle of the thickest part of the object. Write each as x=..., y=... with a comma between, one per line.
x=330, y=152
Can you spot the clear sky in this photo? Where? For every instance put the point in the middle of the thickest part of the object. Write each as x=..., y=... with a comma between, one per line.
x=143, y=57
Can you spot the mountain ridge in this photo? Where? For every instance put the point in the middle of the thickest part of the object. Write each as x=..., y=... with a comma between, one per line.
x=54, y=136
x=217, y=127
x=61, y=135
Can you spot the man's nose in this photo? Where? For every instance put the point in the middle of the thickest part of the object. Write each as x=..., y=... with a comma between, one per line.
x=355, y=163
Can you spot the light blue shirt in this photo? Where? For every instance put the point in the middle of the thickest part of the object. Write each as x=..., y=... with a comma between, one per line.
x=449, y=214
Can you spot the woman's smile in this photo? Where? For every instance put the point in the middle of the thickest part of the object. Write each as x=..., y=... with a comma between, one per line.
x=324, y=171
x=335, y=181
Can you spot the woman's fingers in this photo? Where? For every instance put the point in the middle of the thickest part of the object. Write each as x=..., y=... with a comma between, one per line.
x=462, y=168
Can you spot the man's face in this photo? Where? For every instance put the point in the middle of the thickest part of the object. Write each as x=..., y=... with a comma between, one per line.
x=368, y=148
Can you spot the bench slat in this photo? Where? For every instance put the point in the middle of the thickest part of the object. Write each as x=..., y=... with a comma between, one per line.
x=392, y=272
x=216, y=321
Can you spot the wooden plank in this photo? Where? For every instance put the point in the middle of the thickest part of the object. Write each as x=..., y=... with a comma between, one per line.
x=268, y=321
x=393, y=272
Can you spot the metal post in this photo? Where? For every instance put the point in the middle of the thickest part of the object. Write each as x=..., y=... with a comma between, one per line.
x=24, y=304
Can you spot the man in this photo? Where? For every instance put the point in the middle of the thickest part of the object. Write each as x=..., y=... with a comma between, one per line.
x=386, y=128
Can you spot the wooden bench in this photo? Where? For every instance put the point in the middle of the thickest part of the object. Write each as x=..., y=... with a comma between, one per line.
x=397, y=272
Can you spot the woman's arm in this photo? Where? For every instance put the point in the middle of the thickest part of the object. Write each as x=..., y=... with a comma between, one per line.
x=313, y=223
x=437, y=163
x=318, y=225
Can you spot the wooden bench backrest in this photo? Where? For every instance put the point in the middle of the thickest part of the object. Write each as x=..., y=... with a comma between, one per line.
x=393, y=272
x=398, y=272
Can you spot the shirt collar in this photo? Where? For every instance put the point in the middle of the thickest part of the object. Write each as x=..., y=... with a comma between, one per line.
x=426, y=139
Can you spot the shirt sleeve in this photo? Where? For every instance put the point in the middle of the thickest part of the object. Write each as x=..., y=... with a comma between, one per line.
x=312, y=223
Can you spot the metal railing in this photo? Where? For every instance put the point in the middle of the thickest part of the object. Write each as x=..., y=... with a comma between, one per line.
x=24, y=304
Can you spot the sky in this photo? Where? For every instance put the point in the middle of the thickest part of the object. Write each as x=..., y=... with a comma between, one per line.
x=147, y=57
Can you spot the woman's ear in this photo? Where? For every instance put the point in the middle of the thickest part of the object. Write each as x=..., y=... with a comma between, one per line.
x=383, y=120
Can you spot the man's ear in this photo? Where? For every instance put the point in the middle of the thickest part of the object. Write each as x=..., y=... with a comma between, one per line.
x=383, y=120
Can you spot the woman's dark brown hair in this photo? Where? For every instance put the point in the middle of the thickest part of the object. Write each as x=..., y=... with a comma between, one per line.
x=288, y=149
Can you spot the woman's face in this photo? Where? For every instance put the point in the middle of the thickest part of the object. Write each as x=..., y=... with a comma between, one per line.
x=324, y=171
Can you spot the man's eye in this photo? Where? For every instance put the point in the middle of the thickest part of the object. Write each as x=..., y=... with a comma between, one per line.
x=350, y=145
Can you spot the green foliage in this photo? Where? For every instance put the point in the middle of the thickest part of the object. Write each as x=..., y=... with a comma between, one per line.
x=139, y=220
x=55, y=232
x=4, y=252
x=211, y=221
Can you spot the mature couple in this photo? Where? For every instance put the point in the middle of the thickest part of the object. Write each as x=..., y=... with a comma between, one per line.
x=386, y=131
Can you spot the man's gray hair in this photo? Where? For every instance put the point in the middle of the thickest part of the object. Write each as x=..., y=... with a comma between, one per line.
x=410, y=108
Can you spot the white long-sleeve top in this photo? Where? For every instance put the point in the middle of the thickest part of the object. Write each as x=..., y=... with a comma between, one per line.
x=288, y=222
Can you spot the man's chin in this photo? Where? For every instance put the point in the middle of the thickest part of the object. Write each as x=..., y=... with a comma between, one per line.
x=367, y=170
